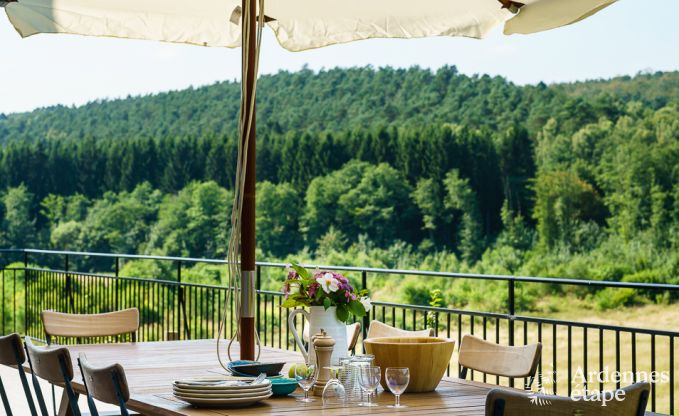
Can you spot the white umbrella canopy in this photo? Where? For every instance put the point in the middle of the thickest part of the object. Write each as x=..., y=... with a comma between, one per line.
x=297, y=24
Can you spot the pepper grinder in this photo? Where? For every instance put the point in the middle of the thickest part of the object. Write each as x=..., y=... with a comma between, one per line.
x=323, y=346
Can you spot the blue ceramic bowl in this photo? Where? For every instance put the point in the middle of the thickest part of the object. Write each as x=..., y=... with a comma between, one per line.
x=283, y=386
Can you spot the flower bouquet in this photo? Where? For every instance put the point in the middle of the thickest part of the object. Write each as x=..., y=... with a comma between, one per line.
x=324, y=288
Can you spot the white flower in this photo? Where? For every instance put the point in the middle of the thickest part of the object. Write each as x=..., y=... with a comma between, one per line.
x=328, y=283
x=365, y=301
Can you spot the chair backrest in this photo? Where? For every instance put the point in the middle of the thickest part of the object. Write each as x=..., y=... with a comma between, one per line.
x=11, y=350
x=379, y=330
x=47, y=362
x=499, y=360
x=106, y=384
x=353, y=332
x=504, y=402
x=58, y=324
x=55, y=366
x=12, y=354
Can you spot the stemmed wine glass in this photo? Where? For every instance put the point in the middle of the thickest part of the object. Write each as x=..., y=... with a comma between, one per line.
x=334, y=392
x=369, y=379
x=305, y=374
x=397, y=380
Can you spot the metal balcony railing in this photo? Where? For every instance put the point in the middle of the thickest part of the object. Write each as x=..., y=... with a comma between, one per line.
x=173, y=308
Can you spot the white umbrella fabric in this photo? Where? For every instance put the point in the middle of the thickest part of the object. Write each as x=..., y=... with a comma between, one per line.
x=297, y=24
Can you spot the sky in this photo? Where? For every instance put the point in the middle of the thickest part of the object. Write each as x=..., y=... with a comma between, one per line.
x=624, y=39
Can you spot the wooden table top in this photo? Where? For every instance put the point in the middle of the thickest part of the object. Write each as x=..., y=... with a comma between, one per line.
x=152, y=367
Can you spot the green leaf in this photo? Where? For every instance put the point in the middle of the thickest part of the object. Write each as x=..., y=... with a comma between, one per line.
x=304, y=273
x=289, y=303
x=357, y=308
x=342, y=313
x=326, y=303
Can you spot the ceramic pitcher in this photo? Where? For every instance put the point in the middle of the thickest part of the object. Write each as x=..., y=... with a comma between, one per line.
x=318, y=318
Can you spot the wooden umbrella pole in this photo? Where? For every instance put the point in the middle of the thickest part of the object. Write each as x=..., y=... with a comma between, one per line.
x=247, y=303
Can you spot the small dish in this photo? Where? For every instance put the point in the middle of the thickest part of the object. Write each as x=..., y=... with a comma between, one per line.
x=283, y=386
x=254, y=368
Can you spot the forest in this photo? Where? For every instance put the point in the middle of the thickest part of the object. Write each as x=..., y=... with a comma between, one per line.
x=396, y=168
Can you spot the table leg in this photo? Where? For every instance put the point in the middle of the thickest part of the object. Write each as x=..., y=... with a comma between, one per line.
x=65, y=406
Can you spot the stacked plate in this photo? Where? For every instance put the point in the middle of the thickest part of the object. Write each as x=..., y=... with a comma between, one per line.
x=222, y=392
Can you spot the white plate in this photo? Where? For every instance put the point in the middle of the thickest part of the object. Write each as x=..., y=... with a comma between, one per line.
x=222, y=387
x=206, y=394
x=240, y=402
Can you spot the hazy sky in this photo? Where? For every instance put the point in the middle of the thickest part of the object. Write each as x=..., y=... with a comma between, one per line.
x=629, y=36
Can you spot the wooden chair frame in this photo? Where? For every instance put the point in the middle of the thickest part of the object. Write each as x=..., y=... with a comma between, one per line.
x=117, y=375
x=12, y=353
x=57, y=370
x=504, y=402
x=499, y=360
x=66, y=325
x=379, y=329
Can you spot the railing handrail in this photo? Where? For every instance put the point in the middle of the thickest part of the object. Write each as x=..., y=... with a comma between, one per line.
x=474, y=276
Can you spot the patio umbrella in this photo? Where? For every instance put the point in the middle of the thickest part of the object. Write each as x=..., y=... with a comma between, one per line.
x=298, y=25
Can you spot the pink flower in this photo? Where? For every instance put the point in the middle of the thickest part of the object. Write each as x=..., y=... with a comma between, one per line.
x=286, y=290
x=313, y=288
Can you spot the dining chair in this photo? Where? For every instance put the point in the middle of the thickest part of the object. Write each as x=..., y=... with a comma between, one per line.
x=67, y=325
x=353, y=332
x=106, y=384
x=12, y=354
x=53, y=365
x=505, y=402
x=499, y=360
x=378, y=329
x=78, y=326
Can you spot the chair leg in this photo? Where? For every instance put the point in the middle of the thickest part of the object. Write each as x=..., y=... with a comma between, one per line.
x=24, y=382
x=27, y=391
x=72, y=397
x=119, y=393
x=36, y=386
x=5, y=402
x=90, y=401
x=499, y=408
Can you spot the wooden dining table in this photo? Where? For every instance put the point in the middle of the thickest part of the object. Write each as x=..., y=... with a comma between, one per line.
x=152, y=367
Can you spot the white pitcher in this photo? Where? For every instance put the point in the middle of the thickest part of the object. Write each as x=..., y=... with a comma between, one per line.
x=319, y=318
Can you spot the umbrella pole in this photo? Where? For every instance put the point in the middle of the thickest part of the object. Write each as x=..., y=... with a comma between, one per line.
x=247, y=303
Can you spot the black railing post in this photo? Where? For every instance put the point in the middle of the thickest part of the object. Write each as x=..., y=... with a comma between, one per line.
x=182, y=305
x=510, y=322
x=258, y=286
x=69, y=284
x=116, y=288
x=26, y=295
x=179, y=300
x=366, y=318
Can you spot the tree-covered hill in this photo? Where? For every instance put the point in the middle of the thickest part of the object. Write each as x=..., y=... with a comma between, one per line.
x=385, y=168
x=338, y=99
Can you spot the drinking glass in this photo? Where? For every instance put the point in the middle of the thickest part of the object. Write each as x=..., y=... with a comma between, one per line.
x=306, y=377
x=334, y=392
x=397, y=380
x=369, y=379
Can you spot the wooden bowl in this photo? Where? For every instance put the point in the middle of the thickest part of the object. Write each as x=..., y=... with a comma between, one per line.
x=426, y=357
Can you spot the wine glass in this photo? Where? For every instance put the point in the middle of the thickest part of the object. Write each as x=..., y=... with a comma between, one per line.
x=397, y=380
x=305, y=374
x=334, y=392
x=369, y=379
